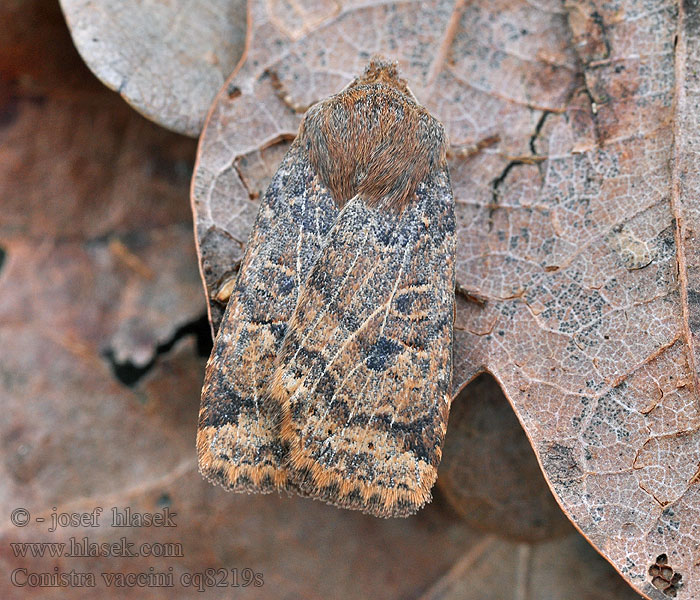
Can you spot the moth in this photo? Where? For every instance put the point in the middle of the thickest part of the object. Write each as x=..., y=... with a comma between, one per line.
x=330, y=374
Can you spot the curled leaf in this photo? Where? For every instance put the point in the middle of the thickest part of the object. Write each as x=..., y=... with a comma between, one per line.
x=166, y=59
x=576, y=229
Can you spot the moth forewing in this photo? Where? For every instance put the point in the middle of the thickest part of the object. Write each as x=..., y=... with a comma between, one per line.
x=237, y=440
x=363, y=377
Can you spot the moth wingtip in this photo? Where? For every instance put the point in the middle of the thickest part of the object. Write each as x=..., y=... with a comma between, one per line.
x=220, y=470
x=320, y=483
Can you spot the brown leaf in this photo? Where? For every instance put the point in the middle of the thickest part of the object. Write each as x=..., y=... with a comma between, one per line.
x=84, y=260
x=64, y=137
x=494, y=569
x=576, y=229
x=489, y=473
x=97, y=261
x=166, y=59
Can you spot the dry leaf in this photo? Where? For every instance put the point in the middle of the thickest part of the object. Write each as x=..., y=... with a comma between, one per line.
x=95, y=237
x=489, y=473
x=563, y=569
x=441, y=49
x=166, y=59
x=103, y=240
x=64, y=136
x=577, y=228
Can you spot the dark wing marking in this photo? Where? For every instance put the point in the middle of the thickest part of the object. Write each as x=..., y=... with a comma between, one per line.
x=363, y=376
x=237, y=440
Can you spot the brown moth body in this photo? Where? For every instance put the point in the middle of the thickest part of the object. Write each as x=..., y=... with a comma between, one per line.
x=373, y=139
x=330, y=375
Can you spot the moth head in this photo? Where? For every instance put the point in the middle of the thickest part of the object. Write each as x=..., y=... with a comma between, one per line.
x=373, y=139
x=381, y=70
